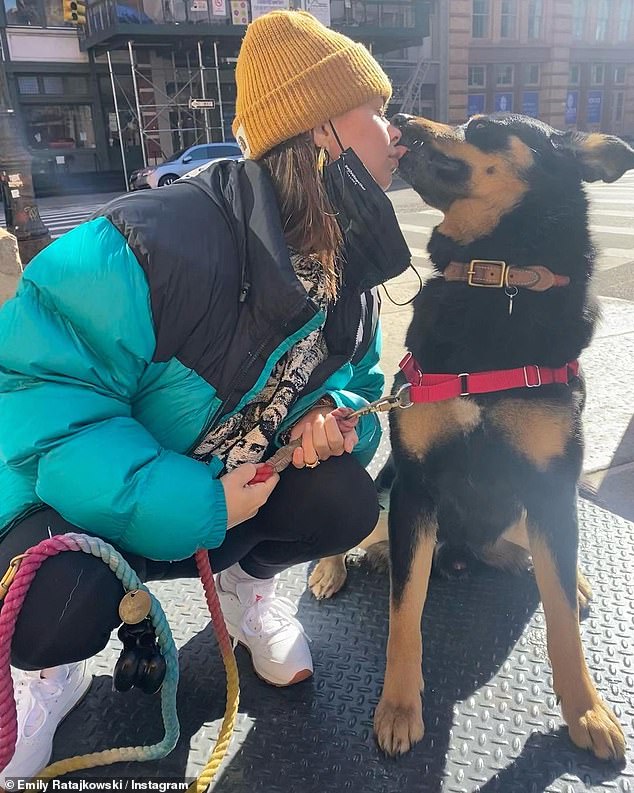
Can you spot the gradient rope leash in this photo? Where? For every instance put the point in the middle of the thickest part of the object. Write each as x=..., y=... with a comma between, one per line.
x=231, y=670
x=15, y=585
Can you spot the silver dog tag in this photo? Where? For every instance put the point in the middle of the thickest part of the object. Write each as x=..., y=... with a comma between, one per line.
x=510, y=292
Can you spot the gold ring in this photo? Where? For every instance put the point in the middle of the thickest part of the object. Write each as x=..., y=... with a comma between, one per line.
x=312, y=465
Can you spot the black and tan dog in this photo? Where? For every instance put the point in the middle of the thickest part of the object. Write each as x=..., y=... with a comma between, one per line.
x=494, y=471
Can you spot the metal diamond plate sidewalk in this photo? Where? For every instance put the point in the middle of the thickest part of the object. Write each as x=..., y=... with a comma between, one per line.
x=491, y=716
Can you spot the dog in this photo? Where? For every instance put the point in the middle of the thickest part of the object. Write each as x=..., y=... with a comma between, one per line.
x=495, y=472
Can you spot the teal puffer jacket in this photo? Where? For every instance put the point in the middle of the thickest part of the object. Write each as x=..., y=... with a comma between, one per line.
x=135, y=333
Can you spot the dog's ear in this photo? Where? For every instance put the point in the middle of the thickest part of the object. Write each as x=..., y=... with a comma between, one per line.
x=598, y=156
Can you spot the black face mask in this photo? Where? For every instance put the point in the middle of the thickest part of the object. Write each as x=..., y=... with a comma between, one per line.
x=374, y=247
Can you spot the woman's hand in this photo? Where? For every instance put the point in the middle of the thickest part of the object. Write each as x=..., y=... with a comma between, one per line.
x=244, y=500
x=325, y=433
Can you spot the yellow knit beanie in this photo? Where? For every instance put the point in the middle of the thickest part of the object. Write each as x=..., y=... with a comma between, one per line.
x=293, y=73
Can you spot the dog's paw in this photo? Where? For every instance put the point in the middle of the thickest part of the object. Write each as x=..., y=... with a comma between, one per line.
x=328, y=577
x=398, y=725
x=598, y=730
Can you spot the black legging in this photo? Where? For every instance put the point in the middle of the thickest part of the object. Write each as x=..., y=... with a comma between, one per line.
x=72, y=605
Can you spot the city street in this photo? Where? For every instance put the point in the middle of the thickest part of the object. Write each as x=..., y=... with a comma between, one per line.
x=492, y=670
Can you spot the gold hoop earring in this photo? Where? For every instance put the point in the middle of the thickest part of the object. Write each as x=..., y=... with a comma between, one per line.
x=322, y=159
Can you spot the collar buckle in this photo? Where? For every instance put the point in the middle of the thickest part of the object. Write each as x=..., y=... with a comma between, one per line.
x=479, y=270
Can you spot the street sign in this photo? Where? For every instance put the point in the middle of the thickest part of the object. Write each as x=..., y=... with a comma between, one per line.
x=202, y=104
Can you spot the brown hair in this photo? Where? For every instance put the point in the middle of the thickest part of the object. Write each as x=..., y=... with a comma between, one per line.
x=309, y=223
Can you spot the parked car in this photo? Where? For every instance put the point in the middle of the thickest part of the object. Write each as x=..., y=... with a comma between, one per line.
x=181, y=163
x=200, y=168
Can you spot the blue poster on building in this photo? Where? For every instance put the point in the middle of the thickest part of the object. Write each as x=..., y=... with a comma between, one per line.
x=594, y=107
x=530, y=103
x=504, y=103
x=572, y=103
x=475, y=104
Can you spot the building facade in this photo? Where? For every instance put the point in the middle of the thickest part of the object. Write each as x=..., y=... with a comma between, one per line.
x=97, y=103
x=146, y=78
x=568, y=62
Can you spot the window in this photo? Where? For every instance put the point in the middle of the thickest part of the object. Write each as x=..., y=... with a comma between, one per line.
x=28, y=85
x=531, y=74
x=601, y=29
x=394, y=55
x=477, y=77
x=58, y=84
x=597, y=74
x=535, y=9
x=508, y=22
x=76, y=84
x=619, y=75
x=480, y=19
x=617, y=107
x=574, y=74
x=35, y=13
x=24, y=12
x=200, y=153
x=59, y=126
x=579, y=13
x=475, y=104
x=625, y=15
x=53, y=84
x=504, y=74
x=218, y=150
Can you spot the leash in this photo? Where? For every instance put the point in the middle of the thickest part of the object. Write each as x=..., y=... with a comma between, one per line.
x=13, y=589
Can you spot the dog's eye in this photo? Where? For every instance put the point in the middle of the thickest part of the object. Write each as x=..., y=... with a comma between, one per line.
x=477, y=125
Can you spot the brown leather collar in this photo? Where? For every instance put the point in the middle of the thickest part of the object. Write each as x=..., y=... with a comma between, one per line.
x=498, y=275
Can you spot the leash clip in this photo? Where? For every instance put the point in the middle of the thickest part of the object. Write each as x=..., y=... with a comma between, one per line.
x=7, y=578
x=400, y=399
x=382, y=405
x=401, y=395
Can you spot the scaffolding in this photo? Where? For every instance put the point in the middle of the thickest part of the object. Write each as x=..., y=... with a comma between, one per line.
x=177, y=99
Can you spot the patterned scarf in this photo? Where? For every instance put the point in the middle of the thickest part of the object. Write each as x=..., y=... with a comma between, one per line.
x=245, y=436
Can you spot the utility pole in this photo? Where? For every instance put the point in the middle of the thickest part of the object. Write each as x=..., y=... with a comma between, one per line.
x=16, y=180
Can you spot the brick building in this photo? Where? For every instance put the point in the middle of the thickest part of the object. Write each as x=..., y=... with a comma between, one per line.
x=569, y=62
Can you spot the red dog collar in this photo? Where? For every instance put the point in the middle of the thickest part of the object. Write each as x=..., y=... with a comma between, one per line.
x=436, y=387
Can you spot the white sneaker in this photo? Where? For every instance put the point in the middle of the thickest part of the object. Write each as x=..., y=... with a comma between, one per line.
x=43, y=698
x=265, y=625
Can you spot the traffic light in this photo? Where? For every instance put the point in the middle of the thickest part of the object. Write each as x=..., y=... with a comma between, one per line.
x=74, y=11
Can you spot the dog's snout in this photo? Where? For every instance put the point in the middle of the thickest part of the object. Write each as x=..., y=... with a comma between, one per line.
x=401, y=120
